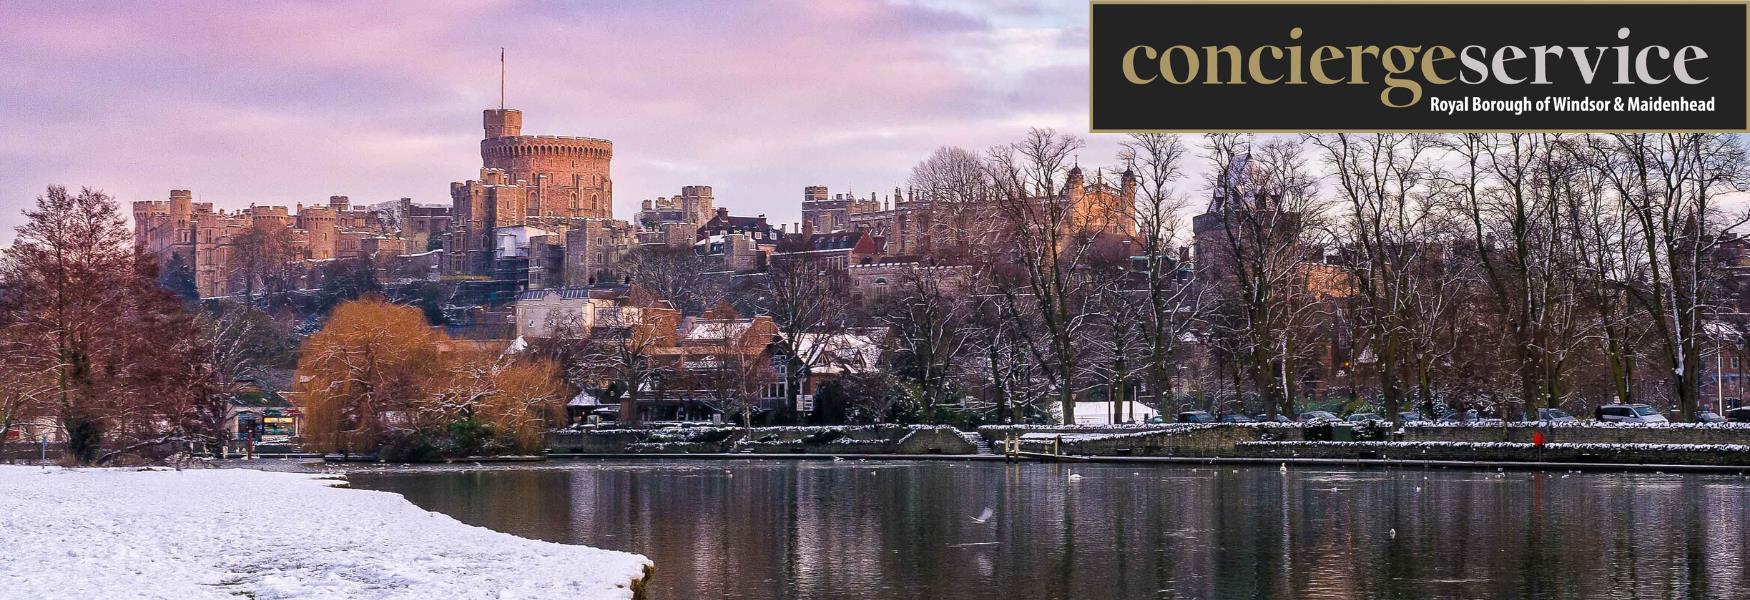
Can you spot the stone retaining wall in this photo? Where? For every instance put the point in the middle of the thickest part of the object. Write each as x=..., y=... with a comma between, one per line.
x=870, y=439
x=1221, y=439
x=1206, y=440
x=1583, y=433
x=1655, y=454
x=604, y=441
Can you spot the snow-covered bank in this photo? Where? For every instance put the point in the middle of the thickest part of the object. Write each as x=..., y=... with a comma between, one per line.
x=227, y=533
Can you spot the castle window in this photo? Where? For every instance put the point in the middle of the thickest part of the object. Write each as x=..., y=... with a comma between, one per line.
x=780, y=386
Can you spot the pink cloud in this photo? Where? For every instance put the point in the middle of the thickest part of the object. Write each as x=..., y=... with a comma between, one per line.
x=290, y=103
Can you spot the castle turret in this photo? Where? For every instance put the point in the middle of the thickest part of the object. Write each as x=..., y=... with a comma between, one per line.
x=318, y=223
x=696, y=202
x=503, y=122
x=1073, y=186
x=181, y=206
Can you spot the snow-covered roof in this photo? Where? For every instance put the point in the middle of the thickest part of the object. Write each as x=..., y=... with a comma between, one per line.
x=709, y=330
x=589, y=398
x=858, y=351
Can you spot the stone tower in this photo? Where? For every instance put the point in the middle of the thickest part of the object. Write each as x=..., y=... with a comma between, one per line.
x=503, y=122
x=696, y=202
x=569, y=174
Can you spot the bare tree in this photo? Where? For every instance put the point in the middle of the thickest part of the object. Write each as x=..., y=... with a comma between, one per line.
x=1042, y=233
x=234, y=359
x=733, y=369
x=1001, y=357
x=675, y=274
x=1258, y=248
x=1119, y=312
x=1383, y=236
x=261, y=257
x=957, y=187
x=929, y=322
x=1610, y=263
x=619, y=354
x=1175, y=303
x=67, y=274
x=1672, y=185
x=1506, y=186
x=808, y=301
x=25, y=388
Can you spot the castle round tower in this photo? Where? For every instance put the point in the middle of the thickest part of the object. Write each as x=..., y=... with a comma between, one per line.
x=570, y=174
x=319, y=223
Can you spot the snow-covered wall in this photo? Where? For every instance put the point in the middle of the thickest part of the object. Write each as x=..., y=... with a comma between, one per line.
x=1638, y=454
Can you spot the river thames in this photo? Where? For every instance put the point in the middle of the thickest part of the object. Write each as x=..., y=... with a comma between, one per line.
x=810, y=529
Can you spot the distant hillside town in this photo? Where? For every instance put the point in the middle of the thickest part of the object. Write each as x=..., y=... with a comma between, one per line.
x=541, y=216
x=1464, y=276
x=1288, y=293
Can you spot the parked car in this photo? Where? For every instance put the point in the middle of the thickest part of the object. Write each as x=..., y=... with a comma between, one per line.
x=1196, y=416
x=1738, y=415
x=1268, y=419
x=1708, y=416
x=1629, y=413
x=1460, y=416
x=1317, y=415
x=1236, y=418
x=1555, y=415
x=1411, y=416
x=1363, y=418
x=1155, y=420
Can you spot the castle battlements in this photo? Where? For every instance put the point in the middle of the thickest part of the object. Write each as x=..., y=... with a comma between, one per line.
x=550, y=138
x=203, y=236
x=545, y=145
x=525, y=180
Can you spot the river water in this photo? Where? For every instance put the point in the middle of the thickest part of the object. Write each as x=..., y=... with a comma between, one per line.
x=804, y=529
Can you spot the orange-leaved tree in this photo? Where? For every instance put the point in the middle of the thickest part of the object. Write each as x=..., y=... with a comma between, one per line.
x=364, y=376
x=495, y=403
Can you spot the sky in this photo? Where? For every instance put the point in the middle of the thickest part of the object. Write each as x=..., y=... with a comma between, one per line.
x=288, y=103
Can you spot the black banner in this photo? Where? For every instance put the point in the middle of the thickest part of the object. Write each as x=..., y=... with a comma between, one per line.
x=1301, y=67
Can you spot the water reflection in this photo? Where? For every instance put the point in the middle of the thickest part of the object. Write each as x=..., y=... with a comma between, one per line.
x=825, y=530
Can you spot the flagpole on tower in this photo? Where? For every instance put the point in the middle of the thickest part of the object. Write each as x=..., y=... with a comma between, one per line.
x=501, y=78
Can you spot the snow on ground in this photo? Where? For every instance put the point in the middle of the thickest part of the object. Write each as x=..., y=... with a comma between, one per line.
x=228, y=533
